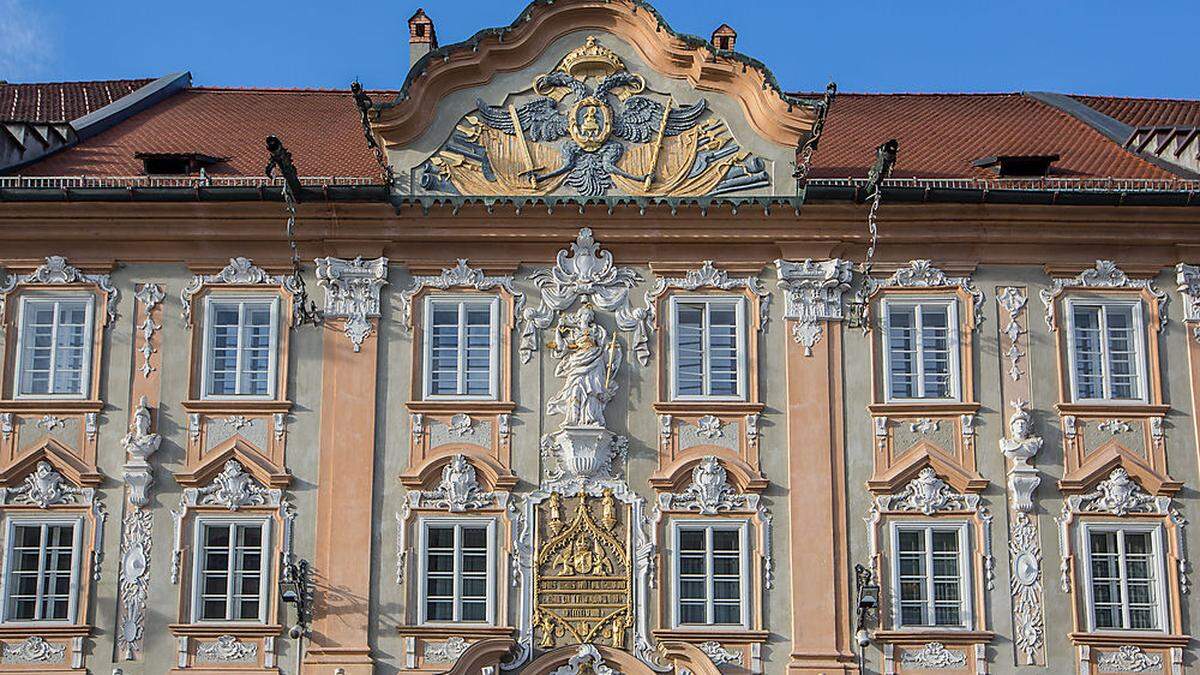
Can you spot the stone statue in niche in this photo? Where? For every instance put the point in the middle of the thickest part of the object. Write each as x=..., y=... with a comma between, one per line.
x=589, y=360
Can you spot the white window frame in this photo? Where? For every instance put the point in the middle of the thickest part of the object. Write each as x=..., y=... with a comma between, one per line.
x=1139, y=339
x=742, y=525
x=493, y=302
x=1160, y=570
x=272, y=362
x=89, y=346
x=266, y=579
x=965, y=581
x=11, y=523
x=423, y=525
x=953, y=343
x=743, y=346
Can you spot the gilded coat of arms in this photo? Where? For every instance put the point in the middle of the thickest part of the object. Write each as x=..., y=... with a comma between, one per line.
x=582, y=580
x=592, y=126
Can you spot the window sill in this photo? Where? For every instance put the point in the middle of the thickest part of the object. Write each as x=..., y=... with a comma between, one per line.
x=1135, y=408
x=44, y=629
x=916, y=407
x=1119, y=638
x=456, y=405
x=707, y=405
x=465, y=630
x=217, y=629
x=957, y=636
x=52, y=404
x=720, y=633
x=223, y=405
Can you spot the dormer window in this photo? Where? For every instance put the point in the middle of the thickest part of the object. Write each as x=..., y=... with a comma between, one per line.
x=1017, y=166
x=176, y=163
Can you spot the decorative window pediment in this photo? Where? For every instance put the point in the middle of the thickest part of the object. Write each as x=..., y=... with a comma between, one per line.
x=56, y=271
x=1104, y=275
x=921, y=274
x=458, y=491
x=461, y=276
x=239, y=272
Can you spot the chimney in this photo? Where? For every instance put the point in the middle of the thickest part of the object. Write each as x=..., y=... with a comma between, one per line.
x=724, y=38
x=421, y=37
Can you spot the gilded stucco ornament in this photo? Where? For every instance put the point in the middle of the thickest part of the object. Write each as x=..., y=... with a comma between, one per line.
x=1105, y=274
x=589, y=127
x=352, y=293
x=586, y=274
x=57, y=271
x=462, y=275
x=813, y=292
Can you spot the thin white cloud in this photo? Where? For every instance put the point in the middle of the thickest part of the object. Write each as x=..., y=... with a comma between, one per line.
x=25, y=42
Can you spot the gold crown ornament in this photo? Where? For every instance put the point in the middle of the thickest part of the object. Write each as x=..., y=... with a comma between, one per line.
x=591, y=60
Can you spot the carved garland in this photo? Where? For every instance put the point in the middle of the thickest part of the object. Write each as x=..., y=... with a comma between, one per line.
x=1105, y=274
x=586, y=273
x=150, y=295
x=57, y=271
x=1013, y=300
x=136, y=530
x=462, y=275
x=922, y=274
x=239, y=271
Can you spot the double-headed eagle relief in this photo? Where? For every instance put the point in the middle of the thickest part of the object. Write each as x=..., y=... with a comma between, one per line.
x=590, y=127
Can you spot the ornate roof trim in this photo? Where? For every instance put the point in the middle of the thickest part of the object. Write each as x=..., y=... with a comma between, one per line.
x=773, y=112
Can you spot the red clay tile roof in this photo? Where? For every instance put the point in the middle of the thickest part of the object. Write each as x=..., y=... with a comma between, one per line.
x=941, y=134
x=320, y=127
x=61, y=101
x=1146, y=112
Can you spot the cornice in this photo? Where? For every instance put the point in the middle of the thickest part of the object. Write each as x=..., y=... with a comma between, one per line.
x=776, y=116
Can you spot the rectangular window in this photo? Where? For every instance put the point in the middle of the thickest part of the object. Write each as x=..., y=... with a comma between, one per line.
x=231, y=573
x=1106, y=351
x=708, y=348
x=929, y=575
x=1124, y=578
x=461, y=347
x=921, y=349
x=55, y=347
x=710, y=575
x=457, y=579
x=240, y=347
x=42, y=571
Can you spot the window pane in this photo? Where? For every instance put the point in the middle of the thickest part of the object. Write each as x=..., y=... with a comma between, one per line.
x=929, y=576
x=229, y=577
x=241, y=349
x=708, y=579
x=689, y=350
x=1122, y=352
x=55, y=345
x=1123, y=588
x=460, y=348
x=902, y=356
x=457, y=573
x=42, y=562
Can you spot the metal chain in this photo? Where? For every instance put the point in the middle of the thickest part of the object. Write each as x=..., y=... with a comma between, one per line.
x=873, y=228
x=306, y=310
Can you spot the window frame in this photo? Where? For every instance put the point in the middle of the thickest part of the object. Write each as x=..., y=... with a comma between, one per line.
x=206, y=343
x=742, y=526
x=10, y=525
x=1160, y=568
x=953, y=339
x=1140, y=343
x=493, y=302
x=88, y=370
x=267, y=580
x=743, y=346
x=423, y=525
x=966, y=581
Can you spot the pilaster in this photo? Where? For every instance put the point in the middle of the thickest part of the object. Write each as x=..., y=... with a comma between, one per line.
x=821, y=612
x=342, y=567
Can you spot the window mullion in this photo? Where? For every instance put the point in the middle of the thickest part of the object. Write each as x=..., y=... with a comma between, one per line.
x=39, y=596
x=709, y=567
x=1123, y=575
x=237, y=349
x=229, y=572
x=50, y=386
x=460, y=355
x=457, y=592
x=918, y=350
x=706, y=350
x=1105, y=353
x=930, y=600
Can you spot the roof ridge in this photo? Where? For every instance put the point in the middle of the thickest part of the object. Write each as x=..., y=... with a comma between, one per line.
x=1136, y=98
x=281, y=90
x=66, y=82
x=912, y=93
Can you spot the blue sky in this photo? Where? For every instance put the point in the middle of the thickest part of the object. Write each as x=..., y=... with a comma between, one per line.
x=1076, y=46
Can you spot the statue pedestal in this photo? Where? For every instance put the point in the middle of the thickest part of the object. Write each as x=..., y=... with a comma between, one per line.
x=584, y=452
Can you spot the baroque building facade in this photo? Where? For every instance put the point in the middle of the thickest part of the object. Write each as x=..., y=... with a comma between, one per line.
x=588, y=359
